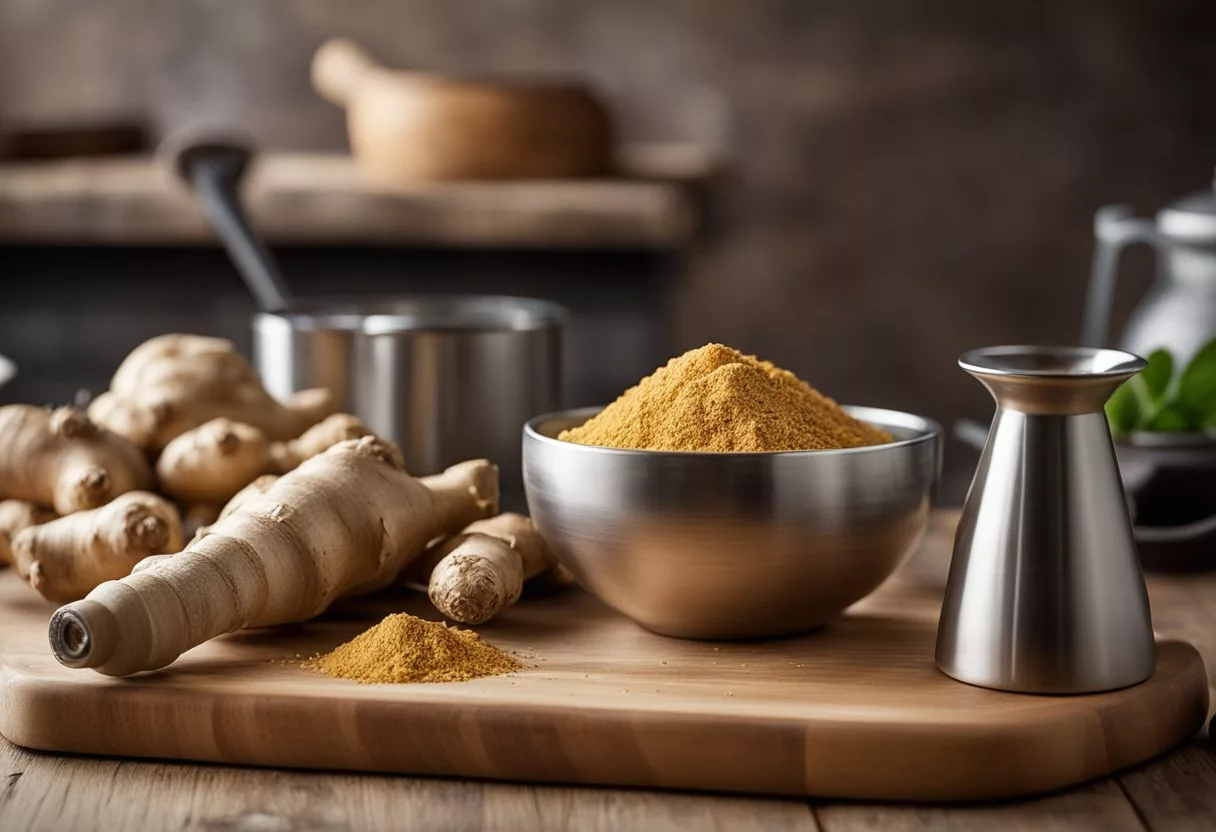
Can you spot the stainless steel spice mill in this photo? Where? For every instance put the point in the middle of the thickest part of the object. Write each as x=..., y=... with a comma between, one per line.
x=1045, y=593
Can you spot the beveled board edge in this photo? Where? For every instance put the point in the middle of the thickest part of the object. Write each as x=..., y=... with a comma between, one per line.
x=620, y=747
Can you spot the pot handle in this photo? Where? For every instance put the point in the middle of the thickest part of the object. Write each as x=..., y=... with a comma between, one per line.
x=1115, y=226
x=1185, y=533
x=1184, y=548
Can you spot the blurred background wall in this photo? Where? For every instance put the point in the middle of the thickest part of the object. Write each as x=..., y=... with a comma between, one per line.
x=906, y=179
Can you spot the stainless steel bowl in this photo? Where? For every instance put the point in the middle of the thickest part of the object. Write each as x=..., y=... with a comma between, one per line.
x=446, y=377
x=704, y=545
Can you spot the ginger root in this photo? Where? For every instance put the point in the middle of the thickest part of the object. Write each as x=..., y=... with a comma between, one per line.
x=16, y=515
x=62, y=459
x=173, y=383
x=480, y=572
x=212, y=462
x=206, y=515
x=345, y=522
x=66, y=558
x=255, y=489
x=287, y=456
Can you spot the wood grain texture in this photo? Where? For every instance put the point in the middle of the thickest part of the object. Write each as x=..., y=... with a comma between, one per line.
x=1100, y=807
x=1177, y=792
x=856, y=711
x=53, y=792
x=319, y=199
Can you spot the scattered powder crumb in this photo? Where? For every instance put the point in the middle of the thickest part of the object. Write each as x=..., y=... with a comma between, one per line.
x=403, y=648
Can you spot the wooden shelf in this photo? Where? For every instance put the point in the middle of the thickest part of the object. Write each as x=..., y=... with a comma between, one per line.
x=321, y=199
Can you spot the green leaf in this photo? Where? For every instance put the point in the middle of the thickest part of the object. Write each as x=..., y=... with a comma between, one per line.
x=1123, y=409
x=1171, y=420
x=1197, y=387
x=1157, y=374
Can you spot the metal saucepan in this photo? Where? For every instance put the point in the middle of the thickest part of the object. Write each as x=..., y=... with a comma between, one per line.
x=446, y=377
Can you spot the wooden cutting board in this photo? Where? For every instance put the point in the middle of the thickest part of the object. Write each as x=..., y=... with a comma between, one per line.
x=855, y=711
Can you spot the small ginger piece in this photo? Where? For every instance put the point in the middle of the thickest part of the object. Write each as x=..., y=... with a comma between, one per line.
x=16, y=515
x=173, y=383
x=66, y=558
x=210, y=463
x=62, y=459
x=287, y=456
x=346, y=522
x=480, y=572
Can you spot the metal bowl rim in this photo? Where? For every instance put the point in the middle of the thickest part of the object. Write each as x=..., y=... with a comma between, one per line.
x=928, y=431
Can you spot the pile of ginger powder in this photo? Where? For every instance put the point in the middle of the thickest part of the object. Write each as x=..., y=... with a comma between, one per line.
x=717, y=399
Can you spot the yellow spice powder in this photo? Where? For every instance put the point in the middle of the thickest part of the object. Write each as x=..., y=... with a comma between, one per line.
x=403, y=648
x=717, y=399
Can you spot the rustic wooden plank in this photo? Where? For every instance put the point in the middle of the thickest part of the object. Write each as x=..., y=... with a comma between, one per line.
x=1177, y=792
x=611, y=810
x=53, y=792
x=319, y=198
x=1101, y=807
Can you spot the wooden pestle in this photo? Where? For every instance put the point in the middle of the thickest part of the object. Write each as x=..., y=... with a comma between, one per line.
x=407, y=127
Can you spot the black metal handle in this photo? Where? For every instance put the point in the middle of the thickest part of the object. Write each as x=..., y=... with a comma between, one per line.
x=214, y=168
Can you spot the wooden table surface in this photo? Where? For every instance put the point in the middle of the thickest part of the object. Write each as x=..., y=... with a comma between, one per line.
x=54, y=792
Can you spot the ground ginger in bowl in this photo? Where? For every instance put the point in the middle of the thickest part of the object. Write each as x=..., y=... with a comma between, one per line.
x=716, y=399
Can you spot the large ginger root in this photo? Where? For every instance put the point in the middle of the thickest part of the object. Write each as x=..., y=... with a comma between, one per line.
x=345, y=522
x=173, y=383
x=480, y=572
x=66, y=558
x=16, y=515
x=201, y=527
x=60, y=458
x=211, y=463
x=255, y=489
